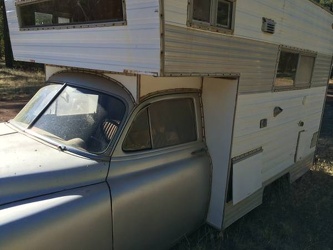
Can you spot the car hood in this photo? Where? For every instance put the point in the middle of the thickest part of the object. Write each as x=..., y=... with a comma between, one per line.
x=30, y=168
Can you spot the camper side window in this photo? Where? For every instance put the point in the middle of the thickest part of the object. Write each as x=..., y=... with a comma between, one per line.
x=294, y=70
x=215, y=15
x=47, y=14
x=162, y=124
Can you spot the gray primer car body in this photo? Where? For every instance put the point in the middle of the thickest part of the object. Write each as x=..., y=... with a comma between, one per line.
x=55, y=196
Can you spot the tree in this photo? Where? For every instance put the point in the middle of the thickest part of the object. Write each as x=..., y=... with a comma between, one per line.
x=326, y=3
x=6, y=39
x=1, y=31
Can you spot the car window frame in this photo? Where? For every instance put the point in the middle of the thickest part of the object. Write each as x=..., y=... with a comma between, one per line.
x=199, y=127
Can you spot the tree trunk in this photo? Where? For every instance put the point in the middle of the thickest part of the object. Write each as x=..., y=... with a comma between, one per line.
x=8, y=47
x=0, y=48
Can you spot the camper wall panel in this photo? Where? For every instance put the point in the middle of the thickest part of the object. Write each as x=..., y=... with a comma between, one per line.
x=299, y=23
x=301, y=168
x=321, y=70
x=301, y=110
x=176, y=12
x=234, y=212
x=191, y=52
x=132, y=47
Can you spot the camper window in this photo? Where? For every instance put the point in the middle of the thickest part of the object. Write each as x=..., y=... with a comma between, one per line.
x=162, y=124
x=45, y=14
x=294, y=70
x=216, y=15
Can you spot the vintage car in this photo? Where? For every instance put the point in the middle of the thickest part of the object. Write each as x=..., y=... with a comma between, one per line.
x=158, y=116
x=83, y=167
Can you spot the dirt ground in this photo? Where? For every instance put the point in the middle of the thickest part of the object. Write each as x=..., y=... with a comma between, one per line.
x=8, y=109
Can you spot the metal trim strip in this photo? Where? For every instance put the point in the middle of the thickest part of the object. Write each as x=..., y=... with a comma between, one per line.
x=247, y=155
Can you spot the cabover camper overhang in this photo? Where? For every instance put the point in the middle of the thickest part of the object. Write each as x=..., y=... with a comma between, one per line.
x=167, y=37
x=250, y=75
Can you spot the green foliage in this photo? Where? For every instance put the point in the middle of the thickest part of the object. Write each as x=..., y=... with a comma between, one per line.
x=325, y=3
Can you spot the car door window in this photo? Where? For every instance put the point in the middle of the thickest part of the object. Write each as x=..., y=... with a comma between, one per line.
x=138, y=136
x=162, y=124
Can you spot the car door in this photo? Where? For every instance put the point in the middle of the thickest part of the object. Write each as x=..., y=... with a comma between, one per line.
x=160, y=174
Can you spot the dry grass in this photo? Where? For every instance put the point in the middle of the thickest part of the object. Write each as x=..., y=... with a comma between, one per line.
x=324, y=166
x=297, y=216
x=18, y=83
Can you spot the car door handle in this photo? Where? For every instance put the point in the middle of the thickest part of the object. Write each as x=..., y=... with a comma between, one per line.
x=199, y=151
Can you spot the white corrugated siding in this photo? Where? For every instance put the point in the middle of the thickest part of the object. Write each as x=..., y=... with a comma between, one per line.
x=279, y=138
x=299, y=23
x=189, y=51
x=254, y=54
x=133, y=47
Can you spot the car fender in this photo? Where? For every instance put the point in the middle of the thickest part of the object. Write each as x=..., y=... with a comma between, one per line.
x=74, y=219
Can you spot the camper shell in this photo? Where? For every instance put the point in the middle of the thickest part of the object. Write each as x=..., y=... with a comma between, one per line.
x=255, y=73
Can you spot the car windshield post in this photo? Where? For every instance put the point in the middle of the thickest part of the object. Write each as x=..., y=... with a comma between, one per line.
x=46, y=107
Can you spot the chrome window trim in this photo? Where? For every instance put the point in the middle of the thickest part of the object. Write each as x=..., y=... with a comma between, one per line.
x=75, y=26
x=212, y=25
x=296, y=85
x=92, y=24
x=196, y=104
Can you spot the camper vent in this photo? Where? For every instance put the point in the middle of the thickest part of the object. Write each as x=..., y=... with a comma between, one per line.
x=268, y=25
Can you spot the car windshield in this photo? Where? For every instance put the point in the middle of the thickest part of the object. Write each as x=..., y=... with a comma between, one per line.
x=76, y=117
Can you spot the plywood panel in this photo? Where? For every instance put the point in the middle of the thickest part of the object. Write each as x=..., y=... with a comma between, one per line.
x=219, y=100
x=246, y=176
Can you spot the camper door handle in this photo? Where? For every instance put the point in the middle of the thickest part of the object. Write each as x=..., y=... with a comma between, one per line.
x=199, y=151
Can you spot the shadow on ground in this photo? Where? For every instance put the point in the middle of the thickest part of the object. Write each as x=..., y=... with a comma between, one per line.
x=297, y=216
